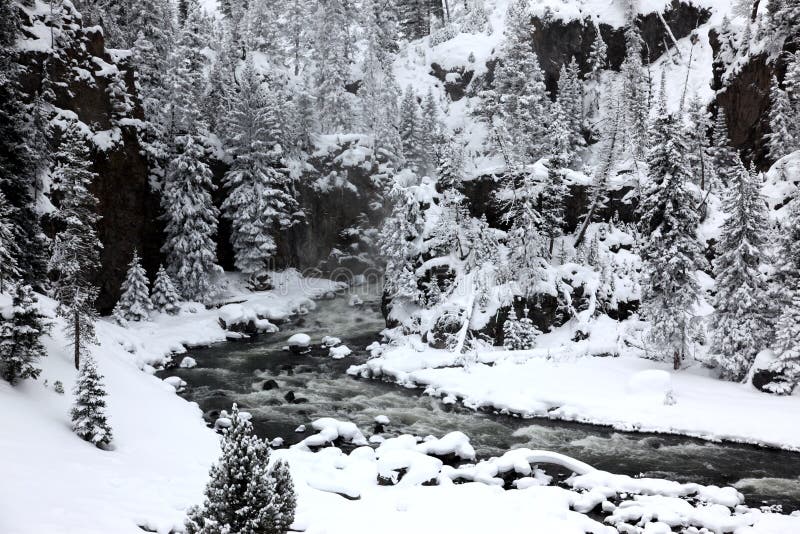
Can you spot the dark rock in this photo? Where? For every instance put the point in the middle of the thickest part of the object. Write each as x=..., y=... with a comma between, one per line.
x=455, y=81
x=289, y=396
x=300, y=400
x=269, y=385
x=127, y=206
x=763, y=377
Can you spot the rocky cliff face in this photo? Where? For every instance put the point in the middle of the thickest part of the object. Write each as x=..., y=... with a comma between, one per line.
x=96, y=87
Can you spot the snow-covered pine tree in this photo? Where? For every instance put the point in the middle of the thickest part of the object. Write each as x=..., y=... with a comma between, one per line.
x=89, y=419
x=518, y=104
x=792, y=83
x=783, y=18
x=164, y=296
x=397, y=243
x=294, y=24
x=724, y=159
x=780, y=140
x=191, y=222
x=20, y=337
x=635, y=85
x=379, y=94
x=670, y=251
x=483, y=245
x=134, y=302
x=696, y=128
x=519, y=334
x=527, y=249
x=285, y=497
x=411, y=133
x=741, y=319
x=9, y=271
x=219, y=90
x=332, y=57
x=787, y=348
x=415, y=17
x=597, y=63
x=554, y=190
x=570, y=97
x=185, y=80
x=241, y=493
x=76, y=247
x=259, y=28
x=431, y=135
x=19, y=153
x=259, y=202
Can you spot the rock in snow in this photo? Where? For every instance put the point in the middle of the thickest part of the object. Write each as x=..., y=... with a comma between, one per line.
x=188, y=362
x=176, y=382
x=299, y=343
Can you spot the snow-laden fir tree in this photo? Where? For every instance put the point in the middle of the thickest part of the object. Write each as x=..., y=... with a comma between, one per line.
x=670, y=251
x=241, y=493
x=724, y=158
x=20, y=337
x=285, y=496
x=332, y=56
x=526, y=245
x=554, y=190
x=191, y=222
x=398, y=243
x=519, y=334
x=21, y=157
x=597, y=62
x=570, y=97
x=483, y=245
x=431, y=133
x=411, y=132
x=164, y=296
x=517, y=105
x=741, y=319
x=76, y=247
x=259, y=28
x=295, y=36
x=697, y=124
x=379, y=95
x=9, y=251
x=259, y=201
x=780, y=140
x=89, y=419
x=134, y=302
x=635, y=85
x=787, y=347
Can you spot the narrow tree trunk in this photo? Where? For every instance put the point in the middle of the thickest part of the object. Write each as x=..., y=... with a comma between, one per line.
x=77, y=326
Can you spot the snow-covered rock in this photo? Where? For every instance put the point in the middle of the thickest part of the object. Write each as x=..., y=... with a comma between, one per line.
x=337, y=353
x=176, y=382
x=381, y=420
x=299, y=343
x=188, y=362
x=331, y=341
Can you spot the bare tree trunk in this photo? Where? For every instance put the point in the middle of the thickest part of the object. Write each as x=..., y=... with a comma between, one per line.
x=77, y=325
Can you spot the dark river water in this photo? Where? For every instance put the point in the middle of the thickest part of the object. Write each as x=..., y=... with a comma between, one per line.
x=237, y=371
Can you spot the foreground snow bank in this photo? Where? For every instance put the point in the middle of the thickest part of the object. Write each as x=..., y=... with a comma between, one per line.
x=400, y=487
x=54, y=482
x=626, y=392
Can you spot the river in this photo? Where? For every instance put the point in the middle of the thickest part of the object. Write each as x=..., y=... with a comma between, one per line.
x=237, y=371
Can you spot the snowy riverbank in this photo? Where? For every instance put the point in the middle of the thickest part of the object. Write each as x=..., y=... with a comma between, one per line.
x=566, y=380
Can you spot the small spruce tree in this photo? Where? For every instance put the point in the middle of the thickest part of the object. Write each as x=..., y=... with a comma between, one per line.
x=285, y=497
x=89, y=420
x=787, y=344
x=134, y=304
x=164, y=296
x=20, y=337
x=241, y=495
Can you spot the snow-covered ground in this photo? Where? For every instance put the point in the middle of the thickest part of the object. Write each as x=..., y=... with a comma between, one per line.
x=573, y=381
x=54, y=482
x=162, y=450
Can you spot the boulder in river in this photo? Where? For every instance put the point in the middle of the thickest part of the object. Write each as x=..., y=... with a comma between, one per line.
x=299, y=343
x=269, y=384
